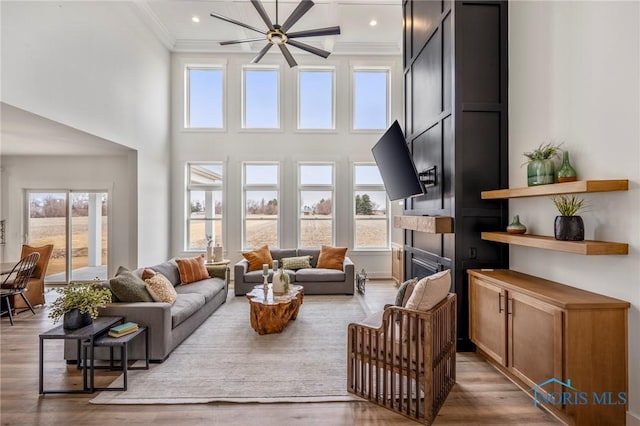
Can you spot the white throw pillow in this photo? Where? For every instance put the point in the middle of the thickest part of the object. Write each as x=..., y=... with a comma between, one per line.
x=430, y=291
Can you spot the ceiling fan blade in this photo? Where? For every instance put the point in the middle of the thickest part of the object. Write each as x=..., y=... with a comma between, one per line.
x=287, y=55
x=263, y=13
x=317, y=32
x=309, y=49
x=247, y=40
x=233, y=21
x=302, y=8
x=260, y=54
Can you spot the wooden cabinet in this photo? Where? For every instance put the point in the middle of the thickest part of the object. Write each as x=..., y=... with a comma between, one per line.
x=536, y=331
x=397, y=262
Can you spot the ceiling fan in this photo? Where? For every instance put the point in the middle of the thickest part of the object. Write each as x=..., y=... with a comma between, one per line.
x=278, y=35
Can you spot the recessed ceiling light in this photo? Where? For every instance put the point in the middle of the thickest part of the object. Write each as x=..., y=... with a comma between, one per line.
x=373, y=22
x=195, y=19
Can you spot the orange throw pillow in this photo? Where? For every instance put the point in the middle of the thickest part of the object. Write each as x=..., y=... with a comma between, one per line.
x=331, y=257
x=258, y=257
x=192, y=269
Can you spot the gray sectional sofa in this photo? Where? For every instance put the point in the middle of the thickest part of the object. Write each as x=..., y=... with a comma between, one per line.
x=314, y=280
x=168, y=324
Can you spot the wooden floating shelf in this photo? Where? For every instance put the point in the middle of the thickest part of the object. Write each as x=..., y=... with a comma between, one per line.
x=587, y=247
x=577, y=187
x=428, y=224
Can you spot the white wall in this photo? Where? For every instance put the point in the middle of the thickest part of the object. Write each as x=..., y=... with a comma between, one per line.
x=288, y=146
x=574, y=70
x=95, y=66
x=111, y=174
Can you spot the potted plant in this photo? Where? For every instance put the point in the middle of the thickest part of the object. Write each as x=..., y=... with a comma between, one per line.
x=541, y=169
x=568, y=226
x=78, y=304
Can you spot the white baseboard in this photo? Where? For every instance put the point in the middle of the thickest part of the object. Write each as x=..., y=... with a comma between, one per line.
x=632, y=419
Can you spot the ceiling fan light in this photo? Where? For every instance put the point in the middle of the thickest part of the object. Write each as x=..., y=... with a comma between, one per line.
x=277, y=37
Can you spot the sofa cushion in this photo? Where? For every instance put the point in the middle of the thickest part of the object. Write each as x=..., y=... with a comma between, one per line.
x=404, y=292
x=192, y=269
x=207, y=288
x=160, y=288
x=185, y=306
x=331, y=257
x=430, y=291
x=297, y=262
x=128, y=287
x=319, y=275
x=314, y=253
x=258, y=257
x=279, y=254
x=170, y=270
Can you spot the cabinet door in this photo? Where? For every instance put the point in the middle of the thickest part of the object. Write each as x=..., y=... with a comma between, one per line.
x=487, y=321
x=535, y=341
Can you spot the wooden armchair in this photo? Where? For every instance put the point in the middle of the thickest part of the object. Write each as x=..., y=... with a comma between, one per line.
x=408, y=363
x=35, y=287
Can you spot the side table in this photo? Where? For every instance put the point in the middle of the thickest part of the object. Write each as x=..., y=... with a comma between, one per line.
x=88, y=333
x=113, y=342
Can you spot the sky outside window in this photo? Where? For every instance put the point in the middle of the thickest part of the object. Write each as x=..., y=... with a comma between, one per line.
x=261, y=100
x=205, y=98
x=370, y=100
x=316, y=100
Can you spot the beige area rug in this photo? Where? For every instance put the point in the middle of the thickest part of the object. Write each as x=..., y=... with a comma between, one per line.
x=224, y=360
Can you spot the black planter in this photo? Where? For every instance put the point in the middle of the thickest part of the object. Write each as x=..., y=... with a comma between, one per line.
x=74, y=319
x=569, y=228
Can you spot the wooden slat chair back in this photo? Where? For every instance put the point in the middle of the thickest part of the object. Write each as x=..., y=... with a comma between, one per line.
x=16, y=282
x=407, y=364
x=35, y=289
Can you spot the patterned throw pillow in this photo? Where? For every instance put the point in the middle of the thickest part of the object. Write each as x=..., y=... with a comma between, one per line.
x=404, y=292
x=258, y=257
x=331, y=257
x=430, y=291
x=192, y=269
x=161, y=289
x=298, y=262
x=129, y=288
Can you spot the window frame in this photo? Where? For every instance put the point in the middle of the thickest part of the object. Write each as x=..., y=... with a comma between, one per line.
x=189, y=187
x=368, y=187
x=243, y=93
x=369, y=69
x=316, y=187
x=260, y=187
x=187, y=97
x=332, y=70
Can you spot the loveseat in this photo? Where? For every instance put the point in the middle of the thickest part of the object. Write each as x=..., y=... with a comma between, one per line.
x=314, y=280
x=168, y=324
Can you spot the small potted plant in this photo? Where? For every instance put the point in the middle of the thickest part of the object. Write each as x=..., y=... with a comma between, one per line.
x=209, y=239
x=78, y=304
x=568, y=226
x=541, y=169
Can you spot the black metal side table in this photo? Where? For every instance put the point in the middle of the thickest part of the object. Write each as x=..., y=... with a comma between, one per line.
x=113, y=342
x=89, y=333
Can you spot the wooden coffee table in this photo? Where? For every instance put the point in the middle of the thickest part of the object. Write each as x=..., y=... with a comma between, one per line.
x=272, y=314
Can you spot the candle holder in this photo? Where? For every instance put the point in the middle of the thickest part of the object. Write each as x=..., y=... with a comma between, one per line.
x=265, y=285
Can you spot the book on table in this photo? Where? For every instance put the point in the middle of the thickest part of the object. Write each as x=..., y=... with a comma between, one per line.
x=122, y=329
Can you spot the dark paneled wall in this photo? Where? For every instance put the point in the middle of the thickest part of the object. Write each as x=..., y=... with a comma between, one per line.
x=456, y=118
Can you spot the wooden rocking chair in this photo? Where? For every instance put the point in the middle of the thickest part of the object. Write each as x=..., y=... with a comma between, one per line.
x=408, y=363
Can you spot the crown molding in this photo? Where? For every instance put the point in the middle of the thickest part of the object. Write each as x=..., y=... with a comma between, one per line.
x=339, y=48
x=153, y=22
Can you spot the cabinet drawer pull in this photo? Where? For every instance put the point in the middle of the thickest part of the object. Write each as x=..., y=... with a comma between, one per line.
x=499, y=303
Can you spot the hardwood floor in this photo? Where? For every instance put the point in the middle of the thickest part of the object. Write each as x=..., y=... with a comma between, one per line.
x=481, y=395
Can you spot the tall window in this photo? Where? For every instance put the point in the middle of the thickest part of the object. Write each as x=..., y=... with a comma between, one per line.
x=261, y=204
x=204, y=98
x=316, y=99
x=204, y=204
x=315, y=187
x=261, y=98
x=370, y=99
x=371, y=208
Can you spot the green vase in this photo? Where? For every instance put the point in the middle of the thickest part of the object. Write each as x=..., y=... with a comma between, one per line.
x=566, y=173
x=541, y=172
x=516, y=227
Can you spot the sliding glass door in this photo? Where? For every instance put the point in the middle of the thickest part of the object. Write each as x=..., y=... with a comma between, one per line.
x=75, y=222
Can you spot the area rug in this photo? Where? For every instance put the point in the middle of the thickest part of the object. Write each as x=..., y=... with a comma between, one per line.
x=224, y=360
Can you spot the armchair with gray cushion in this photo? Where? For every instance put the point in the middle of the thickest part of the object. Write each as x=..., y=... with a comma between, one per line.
x=314, y=280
